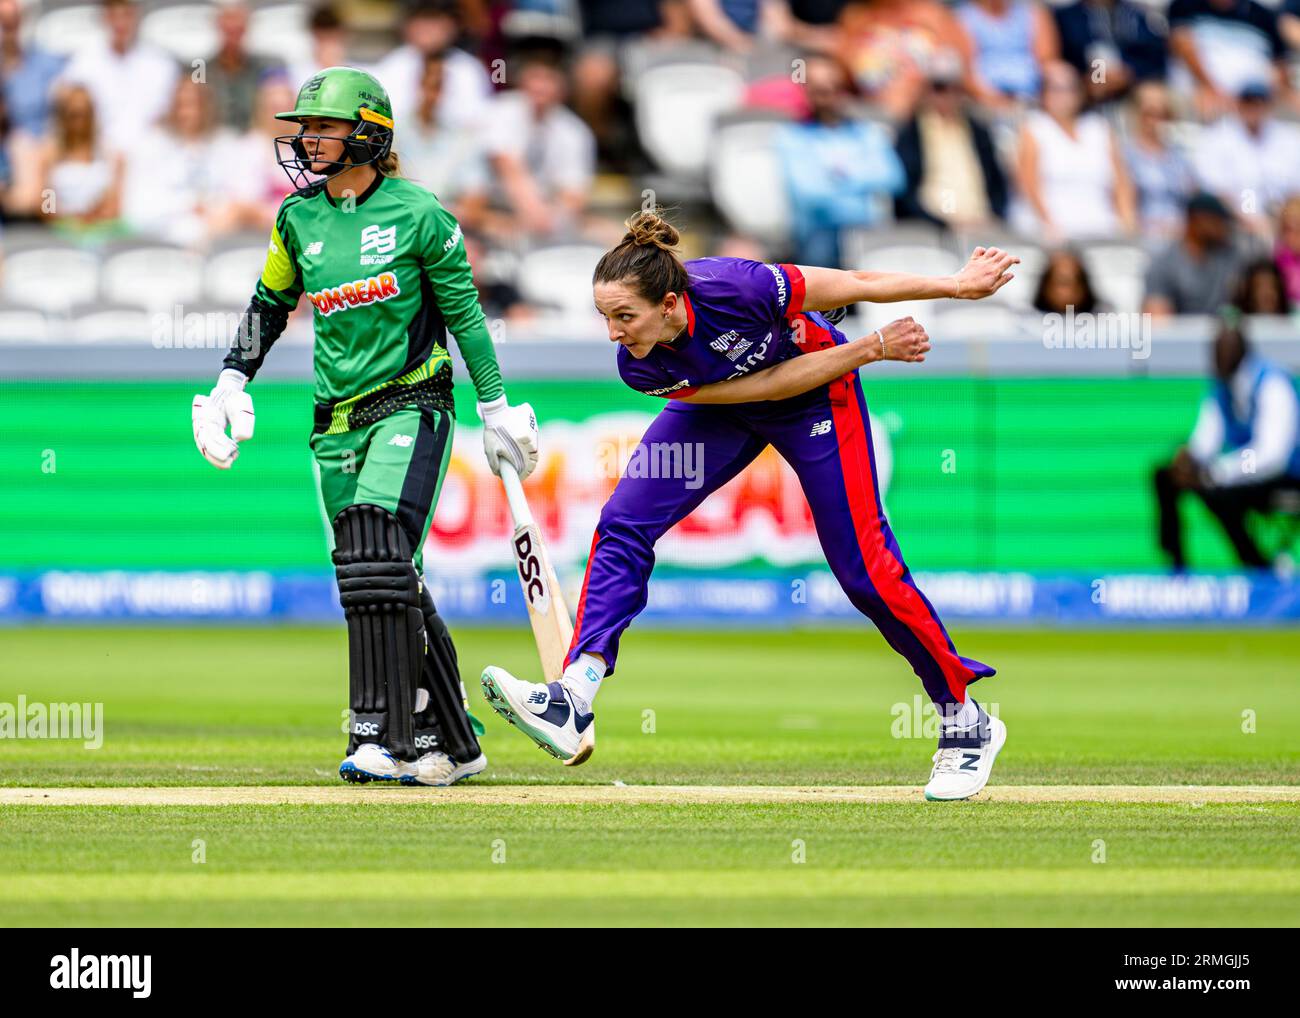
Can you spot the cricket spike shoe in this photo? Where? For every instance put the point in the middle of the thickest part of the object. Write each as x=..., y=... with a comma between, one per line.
x=544, y=712
x=438, y=769
x=964, y=760
x=371, y=762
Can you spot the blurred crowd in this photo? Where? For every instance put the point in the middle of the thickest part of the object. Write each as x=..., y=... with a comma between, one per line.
x=1171, y=128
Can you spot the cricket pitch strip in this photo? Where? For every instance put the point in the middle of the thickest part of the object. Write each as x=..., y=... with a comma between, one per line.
x=516, y=795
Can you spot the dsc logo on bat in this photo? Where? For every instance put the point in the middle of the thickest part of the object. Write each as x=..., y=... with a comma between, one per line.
x=531, y=573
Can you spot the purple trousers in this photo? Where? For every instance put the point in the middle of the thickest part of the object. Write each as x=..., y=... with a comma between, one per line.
x=825, y=437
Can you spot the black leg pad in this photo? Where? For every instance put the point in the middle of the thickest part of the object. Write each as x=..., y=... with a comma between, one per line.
x=444, y=723
x=380, y=593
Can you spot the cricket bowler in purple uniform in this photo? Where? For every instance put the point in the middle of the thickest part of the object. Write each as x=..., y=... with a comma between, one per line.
x=746, y=358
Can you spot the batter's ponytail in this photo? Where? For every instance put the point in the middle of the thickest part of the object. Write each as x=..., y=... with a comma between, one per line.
x=390, y=165
x=646, y=258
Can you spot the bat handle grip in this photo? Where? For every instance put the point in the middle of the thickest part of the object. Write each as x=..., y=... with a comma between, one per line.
x=523, y=516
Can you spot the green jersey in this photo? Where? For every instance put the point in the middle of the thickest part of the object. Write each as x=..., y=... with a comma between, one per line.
x=387, y=276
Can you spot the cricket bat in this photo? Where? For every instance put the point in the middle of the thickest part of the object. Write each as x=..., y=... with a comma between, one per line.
x=547, y=612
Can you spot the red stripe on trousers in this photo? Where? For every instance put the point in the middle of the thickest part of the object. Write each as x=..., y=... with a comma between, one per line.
x=884, y=570
x=582, y=598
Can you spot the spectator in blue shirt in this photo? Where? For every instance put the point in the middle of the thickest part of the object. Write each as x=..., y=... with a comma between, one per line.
x=839, y=172
x=1244, y=449
x=26, y=74
x=1225, y=45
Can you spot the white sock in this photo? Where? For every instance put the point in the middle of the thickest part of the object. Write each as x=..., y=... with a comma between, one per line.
x=967, y=717
x=582, y=680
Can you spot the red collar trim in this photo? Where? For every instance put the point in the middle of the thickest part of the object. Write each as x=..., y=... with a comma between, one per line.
x=676, y=343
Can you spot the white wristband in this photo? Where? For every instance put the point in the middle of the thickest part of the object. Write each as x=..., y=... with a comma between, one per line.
x=229, y=378
x=881, y=336
x=493, y=410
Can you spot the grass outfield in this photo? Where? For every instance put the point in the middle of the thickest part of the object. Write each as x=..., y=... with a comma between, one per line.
x=262, y=707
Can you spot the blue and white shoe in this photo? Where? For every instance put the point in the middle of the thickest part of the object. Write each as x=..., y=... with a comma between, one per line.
x=544, y=712
x=371, y=762
x=964, y=760
x=439, y=770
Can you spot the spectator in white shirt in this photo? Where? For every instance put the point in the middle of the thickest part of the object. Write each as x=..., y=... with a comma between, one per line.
x=1250, y=160
x=432, y=26
x=130, y=81
x=1073, y=181
x=449, y=160
x=543, y=155
x=254, y=182
x=176, y=179
x=1244, y=449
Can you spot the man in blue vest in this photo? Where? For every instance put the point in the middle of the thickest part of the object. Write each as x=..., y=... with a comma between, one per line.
x=1244, y=449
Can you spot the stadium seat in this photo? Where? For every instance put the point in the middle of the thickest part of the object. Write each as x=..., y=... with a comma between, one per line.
x=746, y=178
x=151, y=275
x=559, y=277
x=187, y=31
x=23, y=325
x=280, y=30
x=100, y=323
x=983, y=319
x=232, y=270
x=64, y=30
x=1118, y=273
x=857, y=244
x=641, y=54
x=676, y=106
x=49, y=274
x=921, y=259
x=873, y=316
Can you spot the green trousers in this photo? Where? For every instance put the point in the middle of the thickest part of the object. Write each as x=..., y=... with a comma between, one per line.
x=398, y=463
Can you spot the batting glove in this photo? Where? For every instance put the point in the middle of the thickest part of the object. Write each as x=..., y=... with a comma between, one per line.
x=227, y=406
x=510, y=434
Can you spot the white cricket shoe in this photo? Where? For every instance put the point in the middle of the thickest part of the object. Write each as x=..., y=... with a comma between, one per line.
x=438, y=769
x=544, y=712
x=964, y=760
x=372, y=762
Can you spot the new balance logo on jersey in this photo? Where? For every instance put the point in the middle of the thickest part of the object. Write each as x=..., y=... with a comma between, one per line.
x=820, y=428
x=381, y=242
x=314, y=248
x=358, y=292
x=401, y=441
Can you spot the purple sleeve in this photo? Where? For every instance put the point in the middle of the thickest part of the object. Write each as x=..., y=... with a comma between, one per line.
x=749, y=289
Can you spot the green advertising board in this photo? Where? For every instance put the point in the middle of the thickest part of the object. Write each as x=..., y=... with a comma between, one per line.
x=1022, y=474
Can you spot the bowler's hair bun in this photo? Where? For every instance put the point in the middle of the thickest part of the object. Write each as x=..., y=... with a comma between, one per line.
x=649, y=229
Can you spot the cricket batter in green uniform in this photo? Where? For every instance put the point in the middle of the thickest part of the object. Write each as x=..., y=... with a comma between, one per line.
x=384, y=266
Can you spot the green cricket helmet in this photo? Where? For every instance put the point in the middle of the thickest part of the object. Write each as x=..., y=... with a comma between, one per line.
x=343, y=93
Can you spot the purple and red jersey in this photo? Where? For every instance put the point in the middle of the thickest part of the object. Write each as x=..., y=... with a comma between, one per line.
x=743, y=316
x=739, y=318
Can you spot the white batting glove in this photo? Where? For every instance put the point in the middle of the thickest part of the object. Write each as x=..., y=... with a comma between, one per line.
x=510, y=434
x=227, y=406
